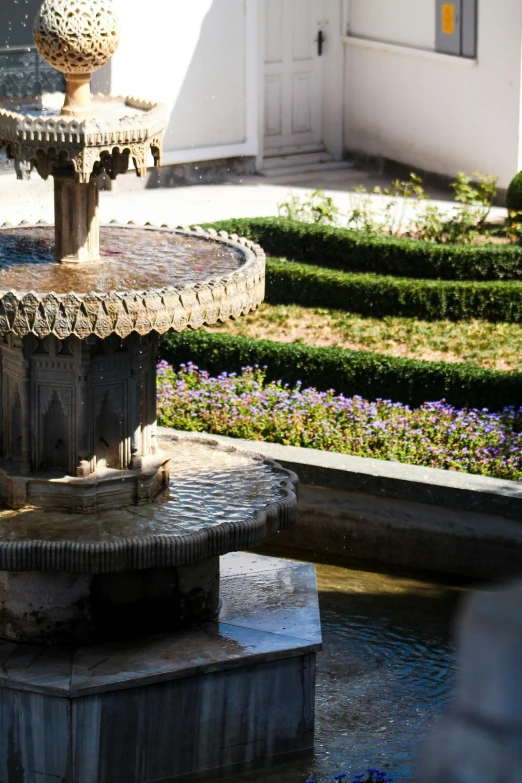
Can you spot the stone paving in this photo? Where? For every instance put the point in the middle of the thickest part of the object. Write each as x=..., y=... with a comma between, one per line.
x=252, y=196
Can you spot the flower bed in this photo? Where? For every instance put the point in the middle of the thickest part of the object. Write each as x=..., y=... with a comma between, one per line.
x=434, y=435
x=370, y=375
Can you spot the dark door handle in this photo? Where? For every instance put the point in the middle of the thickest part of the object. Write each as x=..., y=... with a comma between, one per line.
x=320, y=42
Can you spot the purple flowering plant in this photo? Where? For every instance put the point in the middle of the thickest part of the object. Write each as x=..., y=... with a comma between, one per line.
x=435, y=435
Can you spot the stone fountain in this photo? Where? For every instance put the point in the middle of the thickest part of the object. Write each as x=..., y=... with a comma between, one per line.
x=127, y=654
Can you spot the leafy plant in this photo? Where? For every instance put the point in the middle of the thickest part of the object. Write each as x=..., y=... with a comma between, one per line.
x=371, y=375
x=406, y=210
x=482, y=343
x=361, y=216
x=396, y=211
x=319, y=208
x=476, y=193
x=373, y=775
x=370, y=294
x=514, y=199
x=429, y=224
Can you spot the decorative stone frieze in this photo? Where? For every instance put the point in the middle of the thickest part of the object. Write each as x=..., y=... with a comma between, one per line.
x=130, y=131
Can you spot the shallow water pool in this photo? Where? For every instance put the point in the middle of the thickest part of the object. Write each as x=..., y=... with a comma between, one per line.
x=384, y=676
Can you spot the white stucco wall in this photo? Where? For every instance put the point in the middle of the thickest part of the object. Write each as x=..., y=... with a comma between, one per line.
x=195, y=57
x=433, y=111
x=408, y=22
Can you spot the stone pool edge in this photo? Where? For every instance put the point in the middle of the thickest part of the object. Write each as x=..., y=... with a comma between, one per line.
x=353, y=508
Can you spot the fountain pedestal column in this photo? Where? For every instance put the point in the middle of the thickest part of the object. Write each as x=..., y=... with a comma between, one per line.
x=75, y=608
x=77, y=225
x=78, y=422
x=77, y=95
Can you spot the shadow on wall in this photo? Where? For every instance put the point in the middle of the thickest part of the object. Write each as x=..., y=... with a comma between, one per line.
x=209, y=109
x=203, y=79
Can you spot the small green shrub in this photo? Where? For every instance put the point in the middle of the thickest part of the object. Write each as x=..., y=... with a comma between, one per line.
x=361, y=251
x=378, y=296
x=474, y=195
x=514, y=196
x=319, y=208
x=369, y=375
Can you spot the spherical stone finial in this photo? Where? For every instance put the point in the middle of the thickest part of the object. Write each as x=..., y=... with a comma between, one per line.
x=76, y=36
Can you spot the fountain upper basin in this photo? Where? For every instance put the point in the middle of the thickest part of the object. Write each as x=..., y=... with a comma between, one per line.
x=151, y=279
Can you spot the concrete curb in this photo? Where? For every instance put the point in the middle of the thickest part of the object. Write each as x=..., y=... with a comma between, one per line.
x=352, y=508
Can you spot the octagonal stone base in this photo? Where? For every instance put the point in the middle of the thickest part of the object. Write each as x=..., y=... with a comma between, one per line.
x=234, y=694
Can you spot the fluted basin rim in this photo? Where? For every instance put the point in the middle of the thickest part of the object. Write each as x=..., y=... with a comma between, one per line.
x=160, y=551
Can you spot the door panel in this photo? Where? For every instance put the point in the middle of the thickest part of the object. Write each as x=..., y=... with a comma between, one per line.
x=303, y=13
x=274, y=31
x=273, y=106
x=301, y=104
x=293, y=75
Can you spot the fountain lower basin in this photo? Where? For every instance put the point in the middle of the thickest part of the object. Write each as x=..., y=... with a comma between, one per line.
x=67, y=578
x=97, y=545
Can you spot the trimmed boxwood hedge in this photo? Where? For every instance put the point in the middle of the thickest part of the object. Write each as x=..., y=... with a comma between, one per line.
x=289, y=282
x=357, y=251
x=368, y=374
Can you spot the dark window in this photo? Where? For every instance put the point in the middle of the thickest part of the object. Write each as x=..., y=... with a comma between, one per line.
x=16, y=22
x=22, y=70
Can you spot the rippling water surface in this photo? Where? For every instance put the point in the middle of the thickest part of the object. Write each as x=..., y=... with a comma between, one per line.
x=209, y=486
x=132, y=259
x=384, y=676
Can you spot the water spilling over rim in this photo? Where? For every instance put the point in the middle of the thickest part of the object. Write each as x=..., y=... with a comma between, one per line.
x=220, y=499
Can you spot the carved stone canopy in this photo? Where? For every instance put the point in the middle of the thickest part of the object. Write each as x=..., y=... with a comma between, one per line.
x=123, y=130
x=83, y=138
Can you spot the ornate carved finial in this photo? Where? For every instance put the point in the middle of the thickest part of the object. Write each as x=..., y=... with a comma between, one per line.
x=77, y=37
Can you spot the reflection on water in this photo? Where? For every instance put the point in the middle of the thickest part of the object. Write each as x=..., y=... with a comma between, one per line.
x=384, y=676
x=132, y=259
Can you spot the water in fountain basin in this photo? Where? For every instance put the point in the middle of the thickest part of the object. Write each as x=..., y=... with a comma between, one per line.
x=383, y=678
x=207, y=488
x=131, y=260
x=105, y=109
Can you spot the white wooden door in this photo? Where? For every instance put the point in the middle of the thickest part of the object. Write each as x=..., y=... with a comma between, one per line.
x=293, y=76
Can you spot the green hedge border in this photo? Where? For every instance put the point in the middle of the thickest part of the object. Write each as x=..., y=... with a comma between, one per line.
x=377, y=296
x=356, y=251
x=369, y=375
